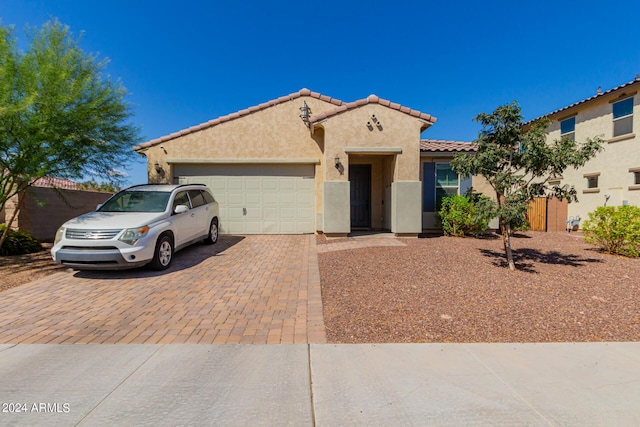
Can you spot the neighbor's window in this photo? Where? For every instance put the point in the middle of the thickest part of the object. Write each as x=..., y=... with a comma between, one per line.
x=636, y=177
x=568, y=128
x=446, y=182
x=623, y=117
x=592, y=181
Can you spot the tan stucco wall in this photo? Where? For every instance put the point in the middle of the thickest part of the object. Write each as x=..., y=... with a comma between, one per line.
x=398, y=130
x=613, y=163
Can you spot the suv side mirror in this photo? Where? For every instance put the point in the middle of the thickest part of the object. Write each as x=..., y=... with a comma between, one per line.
x=181, y=209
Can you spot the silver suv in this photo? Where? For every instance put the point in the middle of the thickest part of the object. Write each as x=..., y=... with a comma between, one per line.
x=143, y=224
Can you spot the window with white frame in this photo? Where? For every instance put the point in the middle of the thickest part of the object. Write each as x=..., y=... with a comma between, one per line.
x=623, y=117
x=446, y=182
x=568, y=128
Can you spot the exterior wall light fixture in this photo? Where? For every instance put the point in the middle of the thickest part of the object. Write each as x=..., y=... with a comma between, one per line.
x=337, y=160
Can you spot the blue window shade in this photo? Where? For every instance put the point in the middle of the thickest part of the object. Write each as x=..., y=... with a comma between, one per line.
x=465, y=185
x=568, y=126
x=429, y=187
x=623, y=108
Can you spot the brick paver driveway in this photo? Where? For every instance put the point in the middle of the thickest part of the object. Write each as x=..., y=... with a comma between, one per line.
x=249, y=289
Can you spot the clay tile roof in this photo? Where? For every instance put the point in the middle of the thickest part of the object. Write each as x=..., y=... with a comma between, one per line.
x=440, y=145
x=594, y=97
x=372, y=99
x=61, y=183
x=238, y=114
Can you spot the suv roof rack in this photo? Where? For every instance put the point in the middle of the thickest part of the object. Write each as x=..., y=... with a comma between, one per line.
x=172, y=185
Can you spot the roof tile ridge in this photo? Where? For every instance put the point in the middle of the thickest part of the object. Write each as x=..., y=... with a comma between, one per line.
x=238, y=114
x=374, y=99
x=585, y=100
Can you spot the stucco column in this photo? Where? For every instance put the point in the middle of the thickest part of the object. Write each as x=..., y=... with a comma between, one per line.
x=406, y=207
x=336, y=205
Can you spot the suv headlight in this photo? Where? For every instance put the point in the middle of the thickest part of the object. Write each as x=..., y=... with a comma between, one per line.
x=59, y=235
x=132, y=235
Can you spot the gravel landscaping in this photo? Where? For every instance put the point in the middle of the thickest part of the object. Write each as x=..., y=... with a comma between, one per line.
x=446, y=289
x=20, y=269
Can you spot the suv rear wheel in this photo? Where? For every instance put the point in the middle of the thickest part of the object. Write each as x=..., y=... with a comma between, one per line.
x=213, y=233
x=163, y=254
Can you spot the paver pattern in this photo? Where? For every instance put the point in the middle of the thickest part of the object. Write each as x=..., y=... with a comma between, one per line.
x=244, y=289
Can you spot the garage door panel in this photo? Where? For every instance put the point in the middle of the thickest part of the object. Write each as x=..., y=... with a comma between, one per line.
x=235, y=184
x=270, y=213
x=287, y=199
x=259, y=199
x=253, y=184
x=270, y=185
x=253, y=199
x=288, y=185
x=270, y=199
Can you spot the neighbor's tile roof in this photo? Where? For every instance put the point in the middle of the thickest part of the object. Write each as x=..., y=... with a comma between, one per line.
x=592, y=98
x=238, y=114
x=373, y=99
x=61, y=183
x=443, y=146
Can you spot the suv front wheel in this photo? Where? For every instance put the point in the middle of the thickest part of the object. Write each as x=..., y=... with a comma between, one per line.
x=163, y=254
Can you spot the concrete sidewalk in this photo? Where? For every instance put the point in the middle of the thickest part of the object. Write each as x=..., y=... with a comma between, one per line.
x=321, y=384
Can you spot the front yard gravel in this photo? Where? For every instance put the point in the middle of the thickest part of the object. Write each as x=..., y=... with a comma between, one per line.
x=446, y=289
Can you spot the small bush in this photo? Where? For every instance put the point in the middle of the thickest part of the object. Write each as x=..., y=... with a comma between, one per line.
x=464, y=215
x=614, y=229
x=18, y=243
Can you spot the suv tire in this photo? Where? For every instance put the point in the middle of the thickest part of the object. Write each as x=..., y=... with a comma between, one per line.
x=213, y=233
x=163, y=254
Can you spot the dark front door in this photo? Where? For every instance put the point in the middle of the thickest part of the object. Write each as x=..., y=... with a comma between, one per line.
x=360, y=178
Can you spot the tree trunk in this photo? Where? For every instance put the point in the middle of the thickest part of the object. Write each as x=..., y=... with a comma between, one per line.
x=506, y=240
x=8, y=223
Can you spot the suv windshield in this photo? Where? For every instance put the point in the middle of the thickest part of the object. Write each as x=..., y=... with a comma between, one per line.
x=137, y=201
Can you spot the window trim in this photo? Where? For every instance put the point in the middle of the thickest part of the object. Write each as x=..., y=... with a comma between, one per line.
x=588, y=177
x=625, y=117
x=572, y=133
x=635, y=172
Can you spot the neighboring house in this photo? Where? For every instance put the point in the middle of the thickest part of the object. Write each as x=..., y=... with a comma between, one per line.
x=307, y=162
x=47, y=204
x=612, y=177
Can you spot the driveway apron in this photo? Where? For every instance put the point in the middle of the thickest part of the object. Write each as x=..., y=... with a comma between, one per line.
x=244, y=289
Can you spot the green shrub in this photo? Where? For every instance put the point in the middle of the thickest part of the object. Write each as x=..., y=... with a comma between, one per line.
x=463, y=215
x=18, y=243
x=614, y=229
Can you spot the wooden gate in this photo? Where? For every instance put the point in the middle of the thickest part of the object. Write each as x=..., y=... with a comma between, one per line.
x=547, y=214
x=537, y=214
x=557, y=211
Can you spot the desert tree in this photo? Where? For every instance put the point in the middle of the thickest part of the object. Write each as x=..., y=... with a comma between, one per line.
x=517, y=162
x=60, y=114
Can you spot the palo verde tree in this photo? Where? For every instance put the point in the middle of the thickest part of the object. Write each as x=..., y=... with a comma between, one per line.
x=60, y=115
x=517, y=162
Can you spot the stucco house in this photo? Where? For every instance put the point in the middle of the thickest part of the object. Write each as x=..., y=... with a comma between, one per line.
x=306, y=163
x=612, y=177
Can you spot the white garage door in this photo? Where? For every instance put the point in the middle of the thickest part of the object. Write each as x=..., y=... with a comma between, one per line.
x=258, y=199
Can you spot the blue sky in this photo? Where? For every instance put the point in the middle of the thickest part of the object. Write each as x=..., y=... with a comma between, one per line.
x=186, y=62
